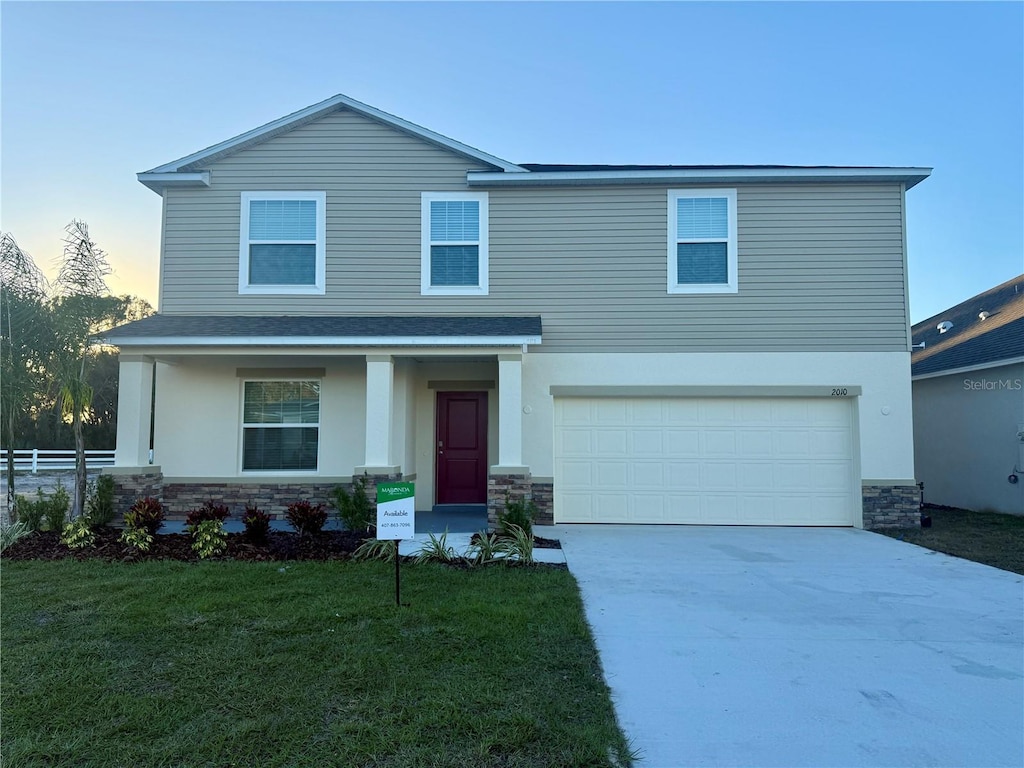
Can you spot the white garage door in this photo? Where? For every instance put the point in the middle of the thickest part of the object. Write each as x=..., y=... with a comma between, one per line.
x=705, y=461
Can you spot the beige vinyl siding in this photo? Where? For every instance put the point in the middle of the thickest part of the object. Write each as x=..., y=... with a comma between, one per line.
x=821, y=267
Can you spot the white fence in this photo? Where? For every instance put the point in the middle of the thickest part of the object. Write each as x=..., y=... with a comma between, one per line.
x=36, y=459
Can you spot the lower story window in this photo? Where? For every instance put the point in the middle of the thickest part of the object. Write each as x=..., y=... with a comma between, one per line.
x=280, y=425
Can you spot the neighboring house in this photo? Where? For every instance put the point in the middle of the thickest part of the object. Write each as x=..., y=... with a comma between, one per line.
x=968, y=379
x=344, y=292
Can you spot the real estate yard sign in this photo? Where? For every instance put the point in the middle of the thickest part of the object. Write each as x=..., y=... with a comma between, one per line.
x=396, y=519
x=396, y=511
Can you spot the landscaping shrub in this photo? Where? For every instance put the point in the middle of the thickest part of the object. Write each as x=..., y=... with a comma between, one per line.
x=257, y=524
x=139, y=538
x=519, y=513
x=485, y=548
x=208, y=538
x=57, y=509
x=208, y=511
x=45, y=512
x=436, y=550
x=30, y=513
x=306, y=518
x=12, y=533
x=101, y=501
x=78, y=534
x=354, y=508
x=145, y=514
x=376, y=549
x=517, y=545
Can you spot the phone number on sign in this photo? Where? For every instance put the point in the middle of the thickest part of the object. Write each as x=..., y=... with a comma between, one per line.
x=395, y=525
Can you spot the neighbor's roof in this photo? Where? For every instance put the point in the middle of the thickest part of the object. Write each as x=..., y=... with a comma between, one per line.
x=326, y=330
x=973, y=342
x=189, y=171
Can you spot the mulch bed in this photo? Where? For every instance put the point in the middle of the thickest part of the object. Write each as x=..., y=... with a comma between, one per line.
x=280, y=545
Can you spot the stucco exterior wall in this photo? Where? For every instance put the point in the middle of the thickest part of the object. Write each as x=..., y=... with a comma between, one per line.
x=198, y=432
x=965, y=438
x=883, y=409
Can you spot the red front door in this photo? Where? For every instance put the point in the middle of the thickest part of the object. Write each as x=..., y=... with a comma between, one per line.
x=461, y=447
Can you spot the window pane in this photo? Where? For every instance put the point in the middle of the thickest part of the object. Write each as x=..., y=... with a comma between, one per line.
x=282, y=219
x=279, y=448
x=281, y=402
x=454, y=265
x=282, y=265
x=454, y=220
x=702, y=263
x=703, y=217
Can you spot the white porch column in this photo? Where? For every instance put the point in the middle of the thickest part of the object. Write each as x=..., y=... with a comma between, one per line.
x=380, y=388
x=134, y=410
x=510, y=414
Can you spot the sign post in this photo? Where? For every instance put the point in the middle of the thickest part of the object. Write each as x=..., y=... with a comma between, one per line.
x=396, y=519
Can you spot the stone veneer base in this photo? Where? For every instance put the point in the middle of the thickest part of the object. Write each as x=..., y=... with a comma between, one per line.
x=518, y=487
x=272, y=498
x=891, y=506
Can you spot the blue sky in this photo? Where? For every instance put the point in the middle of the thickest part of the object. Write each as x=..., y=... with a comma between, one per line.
x=94, y=92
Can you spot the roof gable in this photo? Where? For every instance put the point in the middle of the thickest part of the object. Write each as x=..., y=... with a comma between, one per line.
x=972, y=340
x=187, y=170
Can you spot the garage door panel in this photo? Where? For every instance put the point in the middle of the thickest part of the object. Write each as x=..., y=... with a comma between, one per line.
x=611, y=442
x=682, y=443
x=649, y=442
x=577, y=474
x=831, y=442
x=576, y=442
x=648, y=474
x=719, y=442
x=756, y=443
x=739, y=461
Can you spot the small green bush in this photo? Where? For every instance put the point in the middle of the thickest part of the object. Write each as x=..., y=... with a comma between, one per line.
x=146, y=514
x=306, y=518
x=9, y=534
x=208, y=511
x=519, y=513
x=208, y=538
x=377, y=549
x=517, y=545
x=139, y=538
x=101, y=501
x=78, y=534
x=354, y=508
x=57, y=511
x=257, y=524
x=31, y=513
x=436, y=550
x=45, y=512
x=486, y=548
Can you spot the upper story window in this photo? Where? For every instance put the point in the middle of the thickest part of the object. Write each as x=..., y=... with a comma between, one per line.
x=702, y=241
x=280, y=425
x=282, y=242
x=454, y=248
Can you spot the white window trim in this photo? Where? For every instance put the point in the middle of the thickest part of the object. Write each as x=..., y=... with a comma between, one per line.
x=318, y=288
x=426, y=289
x=732, y=286
x=242, y=427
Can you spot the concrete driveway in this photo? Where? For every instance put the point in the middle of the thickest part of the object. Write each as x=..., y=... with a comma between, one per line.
x=802, y=647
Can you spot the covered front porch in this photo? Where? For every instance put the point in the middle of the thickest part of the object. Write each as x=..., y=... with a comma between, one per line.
x=269, y=420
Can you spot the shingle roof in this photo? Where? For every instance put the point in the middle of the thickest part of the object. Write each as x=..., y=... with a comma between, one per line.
x=158, y=327
x=973, y=341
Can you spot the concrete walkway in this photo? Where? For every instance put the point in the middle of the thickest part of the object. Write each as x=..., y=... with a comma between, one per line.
x=802, y=647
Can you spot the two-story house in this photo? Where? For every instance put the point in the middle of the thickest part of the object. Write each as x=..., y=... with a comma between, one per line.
x=342, y=291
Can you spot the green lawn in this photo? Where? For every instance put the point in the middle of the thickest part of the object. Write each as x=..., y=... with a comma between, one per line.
x=984, y=537
x=303, y=664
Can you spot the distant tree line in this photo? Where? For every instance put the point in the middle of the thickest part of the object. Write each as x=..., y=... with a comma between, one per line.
x=58, y=387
